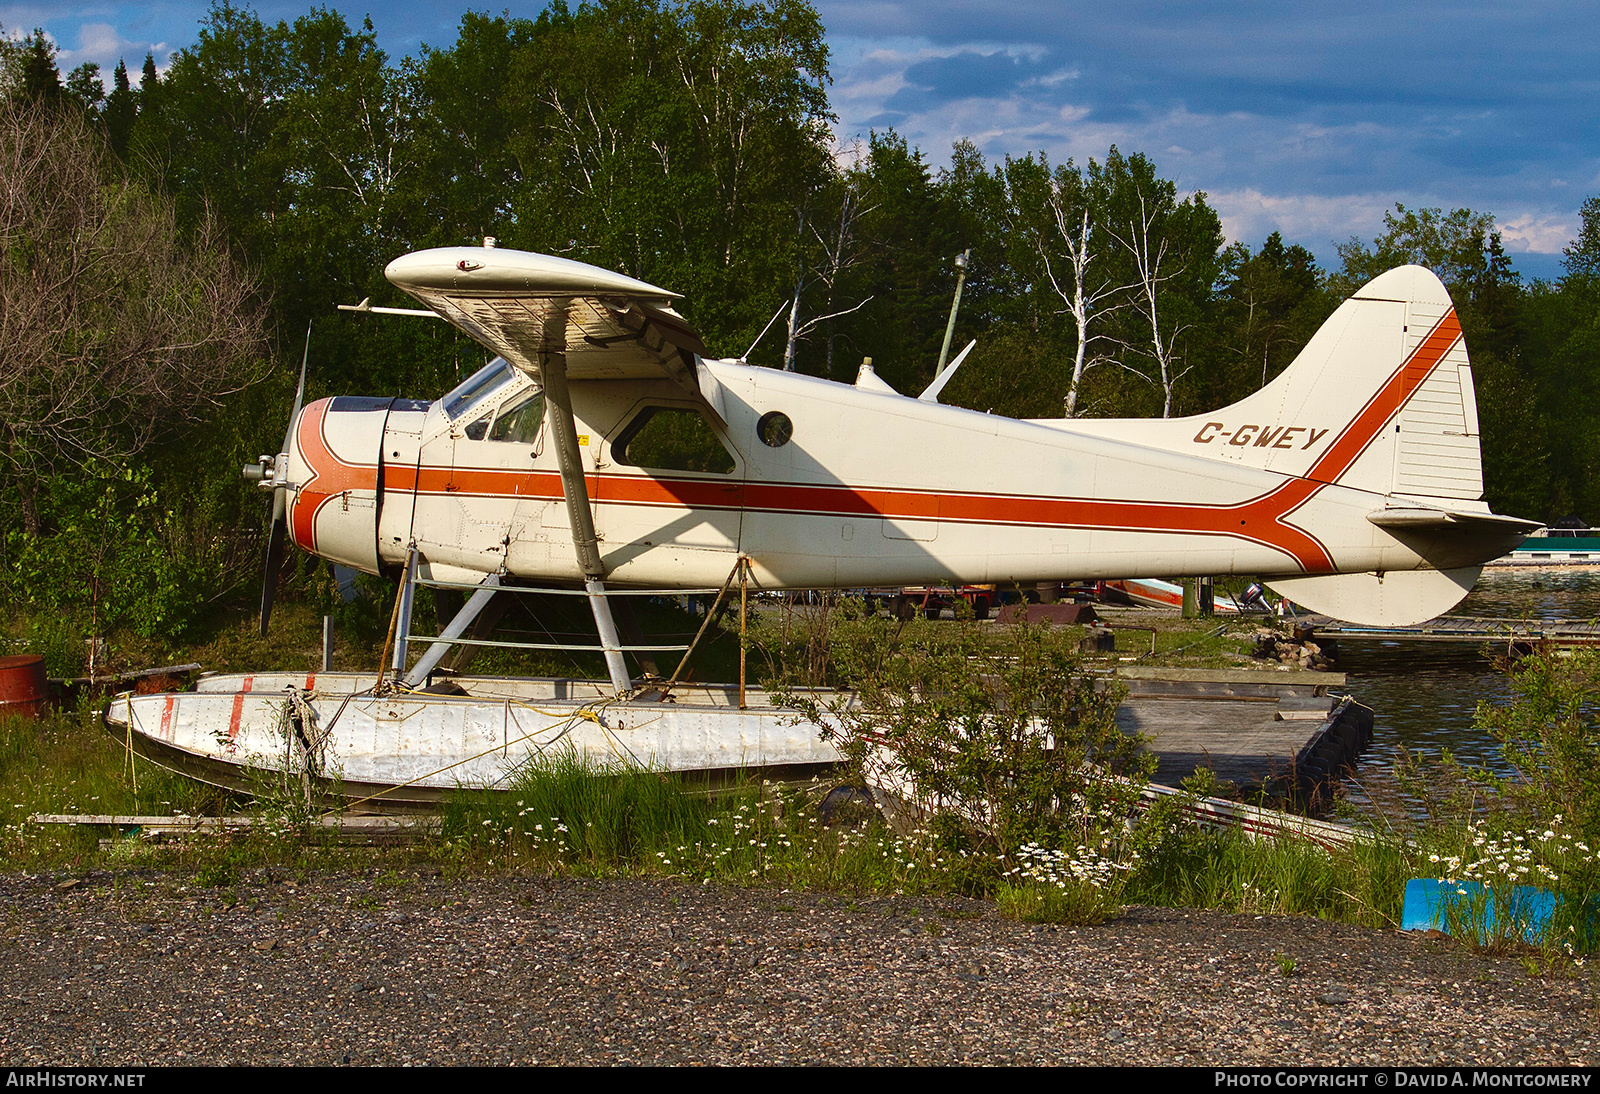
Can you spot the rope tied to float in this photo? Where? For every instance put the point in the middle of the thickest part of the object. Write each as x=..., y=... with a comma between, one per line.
x=587, y=713
x=133, y=774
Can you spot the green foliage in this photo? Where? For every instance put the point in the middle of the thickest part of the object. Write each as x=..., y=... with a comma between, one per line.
x=1493, y=837
x=65, y=762
x=999, y=731
x=1079, y=885
x=569, y=808
x=567, y=813
x=217, y=875
x=906, y=268
x=1184, y=864
x=1454, y=245
x=1273, y=301
x=107, y=557
x=1549, y=732
x=1583, y=254
x=1508, y=888
x=40, y=80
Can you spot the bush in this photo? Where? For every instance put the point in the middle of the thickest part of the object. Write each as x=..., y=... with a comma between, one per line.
x=1497, y=841
x=997, y=728
x=1550, y=734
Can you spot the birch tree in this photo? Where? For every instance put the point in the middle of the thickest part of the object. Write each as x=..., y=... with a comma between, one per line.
x=1148, y=247
x=1067, y=246
x=1170, y=248
x=836, y=253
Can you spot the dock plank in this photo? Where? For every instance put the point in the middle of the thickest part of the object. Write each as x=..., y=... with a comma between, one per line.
x=1243, y=742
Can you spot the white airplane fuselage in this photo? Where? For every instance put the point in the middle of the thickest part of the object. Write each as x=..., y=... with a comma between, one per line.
x=603, y=446
x=871, y=488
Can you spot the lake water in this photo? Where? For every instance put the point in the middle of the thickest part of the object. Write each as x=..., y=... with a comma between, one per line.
x=1424, y=695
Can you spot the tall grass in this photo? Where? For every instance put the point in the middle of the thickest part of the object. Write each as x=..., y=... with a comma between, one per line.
x=67, y=763
x=1363, y=883
x=567, y=813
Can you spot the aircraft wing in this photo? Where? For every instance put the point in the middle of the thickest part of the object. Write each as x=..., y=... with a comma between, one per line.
x=525, y=306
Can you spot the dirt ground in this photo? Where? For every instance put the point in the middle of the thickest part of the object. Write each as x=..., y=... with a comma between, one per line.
x=131, y=968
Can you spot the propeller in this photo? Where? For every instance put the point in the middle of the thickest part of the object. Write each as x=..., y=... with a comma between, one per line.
x=268, y=472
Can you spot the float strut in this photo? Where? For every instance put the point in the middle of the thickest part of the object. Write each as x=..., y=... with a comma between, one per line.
x=463, y=619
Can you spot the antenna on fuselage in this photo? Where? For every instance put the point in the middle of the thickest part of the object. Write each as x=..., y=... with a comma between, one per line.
x=744, y=358
x=930, y=393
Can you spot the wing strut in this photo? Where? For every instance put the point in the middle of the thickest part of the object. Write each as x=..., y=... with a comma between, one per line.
x=580, y=514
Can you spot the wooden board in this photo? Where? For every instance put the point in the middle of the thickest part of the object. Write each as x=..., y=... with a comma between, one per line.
x=1242, y=742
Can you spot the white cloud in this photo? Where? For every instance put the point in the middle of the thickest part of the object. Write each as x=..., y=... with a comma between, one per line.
x=1060, y=76
x=1318, y=221
x=1315, y=221
x=96, y=42
x=1531, y=232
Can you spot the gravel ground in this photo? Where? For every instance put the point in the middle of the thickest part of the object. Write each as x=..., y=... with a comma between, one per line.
x=131, y=969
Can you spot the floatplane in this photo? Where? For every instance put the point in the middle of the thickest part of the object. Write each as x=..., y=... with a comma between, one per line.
x=604, y=453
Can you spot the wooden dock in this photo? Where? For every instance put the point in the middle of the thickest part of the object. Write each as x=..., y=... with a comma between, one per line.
x=1278, y=731
x=1514, y=635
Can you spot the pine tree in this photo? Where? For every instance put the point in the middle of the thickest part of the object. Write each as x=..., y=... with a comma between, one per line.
x=41, y=80
x=121, y=110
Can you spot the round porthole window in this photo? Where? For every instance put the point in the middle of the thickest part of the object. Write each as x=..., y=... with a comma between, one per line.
x=774, y=429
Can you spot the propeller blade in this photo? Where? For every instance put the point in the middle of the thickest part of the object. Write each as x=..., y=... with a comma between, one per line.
x=299, y=392
x=272, y=565
x=278, y=529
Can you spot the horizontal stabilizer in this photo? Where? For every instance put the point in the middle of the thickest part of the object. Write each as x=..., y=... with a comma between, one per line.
x=1423, y=517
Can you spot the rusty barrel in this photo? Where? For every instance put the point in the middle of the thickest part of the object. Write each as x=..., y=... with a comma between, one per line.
x=22, y=685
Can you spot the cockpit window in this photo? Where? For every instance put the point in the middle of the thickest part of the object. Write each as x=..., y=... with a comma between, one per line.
x=673, y=439
x=517, y=422
x=477, y=387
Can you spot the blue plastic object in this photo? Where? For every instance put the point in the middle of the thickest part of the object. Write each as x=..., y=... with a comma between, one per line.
x=1528, y=915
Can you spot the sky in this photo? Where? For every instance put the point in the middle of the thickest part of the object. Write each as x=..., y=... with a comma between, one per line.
x=1307, y=119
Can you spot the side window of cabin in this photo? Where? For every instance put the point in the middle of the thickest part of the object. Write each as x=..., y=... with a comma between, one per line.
x=520, y=423
x=669, y=438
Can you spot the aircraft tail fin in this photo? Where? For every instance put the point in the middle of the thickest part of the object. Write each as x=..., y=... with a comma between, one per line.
x=1380, y=399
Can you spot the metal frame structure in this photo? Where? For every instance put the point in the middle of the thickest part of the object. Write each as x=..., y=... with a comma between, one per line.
x=610, y=645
